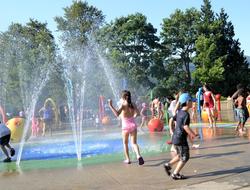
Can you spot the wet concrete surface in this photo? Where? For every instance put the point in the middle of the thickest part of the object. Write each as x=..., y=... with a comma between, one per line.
x=221, y=162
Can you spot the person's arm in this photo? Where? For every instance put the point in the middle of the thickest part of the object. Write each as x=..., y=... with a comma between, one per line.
x=176, y=108
x=116, y=112
x=213, y=100
x=234, y=96
x=189, y=131
x=137, y=112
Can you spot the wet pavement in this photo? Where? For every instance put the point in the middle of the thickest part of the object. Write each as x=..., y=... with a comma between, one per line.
x=221, y=162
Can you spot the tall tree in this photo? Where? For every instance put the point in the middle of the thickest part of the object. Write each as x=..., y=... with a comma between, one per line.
x=235, y=64
x=208, y=63
x=27, y=54
x=131, y=43
x=78, y=22
x=178, y=35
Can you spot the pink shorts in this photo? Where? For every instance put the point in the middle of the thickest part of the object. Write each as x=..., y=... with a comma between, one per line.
x=129, y=125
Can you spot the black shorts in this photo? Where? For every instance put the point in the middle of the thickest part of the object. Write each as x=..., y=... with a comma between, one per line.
x=5, y=140
x=183, y=152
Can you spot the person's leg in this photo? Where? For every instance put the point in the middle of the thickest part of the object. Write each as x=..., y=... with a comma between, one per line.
x=184, y=157
x=213, y=117
x=44, y=128
x=133, y=136
x=125, y=136
x=142, y=122
x=5, y=151
x=209, y=117
x=12, y=150
x=168, y=166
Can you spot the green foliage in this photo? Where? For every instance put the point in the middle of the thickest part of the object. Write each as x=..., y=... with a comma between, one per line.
x=131, y=44
x=27, y=51
x=78, y=22
x=178, y=35
x=209, y=66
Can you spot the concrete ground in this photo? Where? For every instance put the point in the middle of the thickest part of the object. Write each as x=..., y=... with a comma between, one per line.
x=221, y=162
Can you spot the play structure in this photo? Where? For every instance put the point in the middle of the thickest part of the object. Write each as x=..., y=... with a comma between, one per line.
x=50, y=102
x=54, y=108
x=155, y=125
x=16, y=126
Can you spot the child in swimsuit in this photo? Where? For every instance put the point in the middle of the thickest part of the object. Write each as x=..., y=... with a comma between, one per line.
x=128, y=111
x=209, y=105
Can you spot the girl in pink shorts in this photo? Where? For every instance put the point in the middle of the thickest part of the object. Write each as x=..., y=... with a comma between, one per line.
x=128, y=111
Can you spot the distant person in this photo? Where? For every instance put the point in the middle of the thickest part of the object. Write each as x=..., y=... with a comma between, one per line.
x=144, y=115
x=156, y=108
x=47, y=118
x=209, y=105
x=181, y=132
x=5, y=142
x=242, y=112
x=128, y=112
x=34, y=126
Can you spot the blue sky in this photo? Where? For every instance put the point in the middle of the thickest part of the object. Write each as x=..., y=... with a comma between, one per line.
x=45, y=10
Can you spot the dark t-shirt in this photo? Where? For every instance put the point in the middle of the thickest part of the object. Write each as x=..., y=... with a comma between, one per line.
x=182, y=118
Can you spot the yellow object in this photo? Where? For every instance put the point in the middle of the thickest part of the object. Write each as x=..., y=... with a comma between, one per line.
x=204, y=115
x=16, y=126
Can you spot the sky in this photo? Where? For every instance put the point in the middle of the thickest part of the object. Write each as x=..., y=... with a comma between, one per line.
x=20, y=11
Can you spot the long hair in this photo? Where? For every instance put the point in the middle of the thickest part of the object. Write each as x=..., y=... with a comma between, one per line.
x=126, y=95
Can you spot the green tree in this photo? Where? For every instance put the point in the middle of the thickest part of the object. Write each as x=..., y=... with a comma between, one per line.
x=78, y=22
x=178, y=35
x=208, y=63
x=219, y=59
x=131, y=43
x=27, y=53
x=78, y=27
x=235, y=64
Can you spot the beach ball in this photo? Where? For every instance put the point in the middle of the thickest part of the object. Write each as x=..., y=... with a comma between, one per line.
x=105, y=120
x=155, y=125
x=16, y=126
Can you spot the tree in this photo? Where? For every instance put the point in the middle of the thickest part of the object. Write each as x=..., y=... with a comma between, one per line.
x=178, y=35
x=235, y=64
x=78, y=22
x=27, y=53
x=131, y=43
x=208, y=62
x=219, y=59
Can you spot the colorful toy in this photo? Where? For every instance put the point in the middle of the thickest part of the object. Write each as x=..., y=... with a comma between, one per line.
x=16, y=126
x=155, y=125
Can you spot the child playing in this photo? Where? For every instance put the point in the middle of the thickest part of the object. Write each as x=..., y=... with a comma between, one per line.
x=209, y=105
x=181, y=132
x=242, y=112
x=4, y=142
x=128, y=112
x=144, y=117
